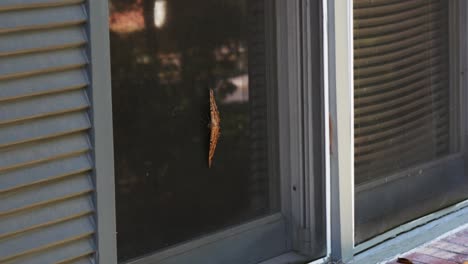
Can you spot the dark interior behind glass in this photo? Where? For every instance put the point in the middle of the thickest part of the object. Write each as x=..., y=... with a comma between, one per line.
x=165, y=57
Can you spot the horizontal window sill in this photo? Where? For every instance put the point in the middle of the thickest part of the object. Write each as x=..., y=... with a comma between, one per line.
x=423, y=231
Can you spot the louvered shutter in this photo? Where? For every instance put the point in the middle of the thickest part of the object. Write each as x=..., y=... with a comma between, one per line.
x=46, y=208
x=401, y=85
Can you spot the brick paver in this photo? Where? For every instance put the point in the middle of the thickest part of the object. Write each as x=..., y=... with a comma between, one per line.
x=451, y=249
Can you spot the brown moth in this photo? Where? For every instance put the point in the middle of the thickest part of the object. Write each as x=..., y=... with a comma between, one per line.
x=214, y=127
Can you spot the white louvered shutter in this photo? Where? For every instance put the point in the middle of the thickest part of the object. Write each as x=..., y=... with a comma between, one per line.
x=46, y=203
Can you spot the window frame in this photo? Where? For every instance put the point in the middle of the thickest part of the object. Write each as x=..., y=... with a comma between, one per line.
x=341, y=86
x=340, y=89
x=102, y=131
x=337, y=56
x=291, y=73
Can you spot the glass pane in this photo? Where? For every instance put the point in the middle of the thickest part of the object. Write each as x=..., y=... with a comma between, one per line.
x=407, y=113
x=166, y=57
x=402, y=89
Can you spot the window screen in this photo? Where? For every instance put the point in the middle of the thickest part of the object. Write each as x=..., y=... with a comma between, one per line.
x=408, y=160
x=401, y=85
x=172, y=61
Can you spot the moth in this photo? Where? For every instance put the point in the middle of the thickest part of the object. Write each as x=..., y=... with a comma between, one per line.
x=215, y=127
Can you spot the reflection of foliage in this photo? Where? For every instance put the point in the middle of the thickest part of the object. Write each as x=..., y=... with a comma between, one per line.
x=225, y=88
x=195, y=30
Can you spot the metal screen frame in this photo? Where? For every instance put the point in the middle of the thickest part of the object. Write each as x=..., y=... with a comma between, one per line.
x=283, y=231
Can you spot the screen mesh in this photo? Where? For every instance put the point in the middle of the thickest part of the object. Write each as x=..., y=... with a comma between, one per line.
x=401, y=85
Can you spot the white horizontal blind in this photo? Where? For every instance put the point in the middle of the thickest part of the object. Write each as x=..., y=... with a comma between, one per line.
x=401, y=65
x=46, y=209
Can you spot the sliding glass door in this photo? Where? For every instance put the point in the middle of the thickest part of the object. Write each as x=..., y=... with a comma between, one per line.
x=408, y=146
x=196, y=134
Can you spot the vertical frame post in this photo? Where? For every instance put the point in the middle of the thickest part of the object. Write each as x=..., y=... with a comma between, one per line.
x=340, y=39
x=300, y=125
x=101, y=100
x=290, y=116
x=283, y=53
x=313, y=120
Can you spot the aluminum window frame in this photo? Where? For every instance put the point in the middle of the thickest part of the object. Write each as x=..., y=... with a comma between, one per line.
x=306, y=96
x=338, y=90
x=340, y=79
x=102, y=131
x=341, y=89
x=290, y=85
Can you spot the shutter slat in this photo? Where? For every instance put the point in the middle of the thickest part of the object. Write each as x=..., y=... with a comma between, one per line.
x=31, y=228
x=19, y=20
x=47, y=209
x=81, y=259
x=42, y=106
x=42, y=84
x=42, y=41
x=45, y=128
x=42, y=27
x=14, y=5
x=11, y=180
x=31, y=219
x=43, y=151
x=81, y=250
x=44, y=193
x=19, y=66
x=401, y=85
x=46, y=238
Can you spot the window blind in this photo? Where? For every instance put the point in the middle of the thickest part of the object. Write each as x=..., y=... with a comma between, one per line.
x=401, y=85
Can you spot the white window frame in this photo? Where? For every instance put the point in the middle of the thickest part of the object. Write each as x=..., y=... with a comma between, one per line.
x=292, y=162
x=102, y=131
x=341, y=108
x=337, y=62
x=340, y=86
